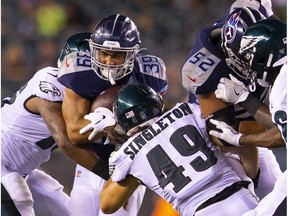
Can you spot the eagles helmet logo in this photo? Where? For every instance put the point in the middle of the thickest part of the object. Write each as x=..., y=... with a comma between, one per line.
x=47, y=87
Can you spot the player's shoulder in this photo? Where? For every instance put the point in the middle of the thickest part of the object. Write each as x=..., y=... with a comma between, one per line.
x=150, y=65
x=147, y=59
x=75, y=62
x=46, y=73
x=45, y=85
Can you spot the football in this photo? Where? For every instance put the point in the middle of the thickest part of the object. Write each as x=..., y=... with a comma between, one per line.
x=106, y=98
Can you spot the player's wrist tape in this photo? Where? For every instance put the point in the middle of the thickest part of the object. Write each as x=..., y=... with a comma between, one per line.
x=251, y=104
x=101, y=169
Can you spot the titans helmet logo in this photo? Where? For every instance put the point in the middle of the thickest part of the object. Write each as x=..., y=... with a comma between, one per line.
x=230, y=27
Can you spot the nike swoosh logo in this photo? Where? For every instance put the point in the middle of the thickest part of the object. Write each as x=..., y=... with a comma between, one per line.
x=103, y=117
x=192, y=79
x=53, y=75
x=237, y=93
x=67, y=64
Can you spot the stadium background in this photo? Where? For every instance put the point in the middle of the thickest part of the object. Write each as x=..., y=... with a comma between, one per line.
x=33, y=33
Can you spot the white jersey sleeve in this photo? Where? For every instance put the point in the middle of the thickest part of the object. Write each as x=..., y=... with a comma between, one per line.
x=278, y=102
x=175, y=159
x=25, y=139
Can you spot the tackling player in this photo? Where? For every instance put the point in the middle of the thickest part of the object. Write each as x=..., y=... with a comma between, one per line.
x=32, y=126
x=170, y=153
x=267, y=59
x=114, y=59
x=207, y=64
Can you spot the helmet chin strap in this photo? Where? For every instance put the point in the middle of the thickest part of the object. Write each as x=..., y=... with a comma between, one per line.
x=112, y=81
x=252, y=87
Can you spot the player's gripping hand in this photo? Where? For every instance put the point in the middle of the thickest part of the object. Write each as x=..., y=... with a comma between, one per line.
x=231, y=90
x=100, y=119
x=228, y=134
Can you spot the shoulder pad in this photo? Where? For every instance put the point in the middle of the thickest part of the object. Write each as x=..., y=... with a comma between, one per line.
x=75, y=62
x=47, y=84
x=197, y=69
x=151, y=65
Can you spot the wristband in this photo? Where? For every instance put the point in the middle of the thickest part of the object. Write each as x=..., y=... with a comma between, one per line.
x=251, y=104
x=101, y=169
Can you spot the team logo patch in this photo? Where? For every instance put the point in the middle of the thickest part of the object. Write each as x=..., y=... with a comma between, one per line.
x=249, y=42
x=129, y=114
x=47, y=87
x=231, y=26
x=67, y=63
x=193, y=79
x=111, y=169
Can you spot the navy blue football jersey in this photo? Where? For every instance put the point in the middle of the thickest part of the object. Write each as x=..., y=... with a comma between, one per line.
x=206, y=64
x=76, y=74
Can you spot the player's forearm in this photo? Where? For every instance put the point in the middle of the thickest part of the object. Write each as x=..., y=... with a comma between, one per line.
x=263, y=117
x=249, y=158
x=258, y=110
x=74, y=108
x=73, y=128
x=270, y=138
x=106, y=196
x=115, y=194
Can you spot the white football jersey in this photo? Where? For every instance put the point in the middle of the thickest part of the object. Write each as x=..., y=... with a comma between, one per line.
x=175, y=158
x=278, y=102
x=26, y=141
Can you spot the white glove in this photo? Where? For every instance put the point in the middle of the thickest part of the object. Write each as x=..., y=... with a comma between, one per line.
x=228, y=134
x=254, y=213
x=231, y=91
x=100, y=119
x=267, y=4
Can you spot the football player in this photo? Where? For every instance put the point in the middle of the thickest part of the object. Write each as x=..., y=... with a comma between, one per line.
x=263, y=49
x=208, y=62
x=181, y=164
x=114, y=59
x=32, y=126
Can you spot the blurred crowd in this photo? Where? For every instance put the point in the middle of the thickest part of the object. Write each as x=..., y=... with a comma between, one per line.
x=34, y=31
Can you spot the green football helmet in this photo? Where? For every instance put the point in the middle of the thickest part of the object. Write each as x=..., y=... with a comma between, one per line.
x=135, y=106
x=76, y=43
x=263, y=47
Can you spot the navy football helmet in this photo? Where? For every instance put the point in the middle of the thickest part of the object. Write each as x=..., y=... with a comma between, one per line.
x=76, y=43
x=135, y=106
x=264, y=47
x=232, y=32
x=115, y=33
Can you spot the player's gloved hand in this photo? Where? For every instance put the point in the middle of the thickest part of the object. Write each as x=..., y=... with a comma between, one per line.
x=267, y=4
x=231, y=91
x=228, y=134
x=100, y=119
